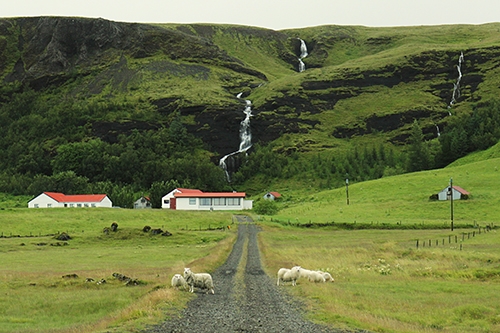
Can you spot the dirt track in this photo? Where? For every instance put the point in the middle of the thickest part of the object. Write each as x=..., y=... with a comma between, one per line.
x=245, y=300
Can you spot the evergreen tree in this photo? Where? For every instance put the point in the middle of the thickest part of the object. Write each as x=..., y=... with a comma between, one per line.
x=418, y=153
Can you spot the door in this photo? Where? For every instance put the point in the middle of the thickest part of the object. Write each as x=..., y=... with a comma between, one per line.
x=173, y=203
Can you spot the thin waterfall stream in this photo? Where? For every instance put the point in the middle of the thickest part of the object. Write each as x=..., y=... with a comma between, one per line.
x=245, y=137
x=456, y=86
x=303, y=54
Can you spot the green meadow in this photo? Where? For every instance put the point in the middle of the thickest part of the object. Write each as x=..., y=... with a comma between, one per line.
x=383, y=282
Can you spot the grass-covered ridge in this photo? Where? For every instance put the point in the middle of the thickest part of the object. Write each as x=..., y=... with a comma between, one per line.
x=75, y=80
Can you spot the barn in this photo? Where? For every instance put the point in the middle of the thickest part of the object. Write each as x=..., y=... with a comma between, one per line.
x=272, y=195
x=192, y=199
x=56, y=199
x=142, y=202
x=458, y=193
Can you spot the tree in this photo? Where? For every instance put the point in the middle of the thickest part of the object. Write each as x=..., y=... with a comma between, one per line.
x=418, y=152
x=159, y=189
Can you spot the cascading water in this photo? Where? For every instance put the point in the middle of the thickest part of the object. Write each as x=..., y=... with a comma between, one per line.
x=437, y=131
x=456, y=86
x=245, y=137
x=303, y=54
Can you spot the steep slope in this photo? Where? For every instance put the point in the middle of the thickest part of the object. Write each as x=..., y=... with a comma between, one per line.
x=105, y=79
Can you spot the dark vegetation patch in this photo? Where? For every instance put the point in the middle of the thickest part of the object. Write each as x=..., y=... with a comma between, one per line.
x=392, y=122
x=110, y=131
x=375, y=225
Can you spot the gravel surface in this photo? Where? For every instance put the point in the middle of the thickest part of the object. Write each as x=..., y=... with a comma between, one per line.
x=245, y=300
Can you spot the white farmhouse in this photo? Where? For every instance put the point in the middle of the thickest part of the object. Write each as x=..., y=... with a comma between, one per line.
x=458, y=193
x=189, y=199
x=56, y=199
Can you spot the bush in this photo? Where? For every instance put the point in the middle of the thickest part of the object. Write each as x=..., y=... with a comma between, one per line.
x=266, y=207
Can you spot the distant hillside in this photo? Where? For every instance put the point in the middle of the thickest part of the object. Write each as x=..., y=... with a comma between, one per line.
x=139, y=93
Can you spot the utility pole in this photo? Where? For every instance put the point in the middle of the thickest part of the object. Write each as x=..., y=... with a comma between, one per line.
x=347, y=188
x=451, y=202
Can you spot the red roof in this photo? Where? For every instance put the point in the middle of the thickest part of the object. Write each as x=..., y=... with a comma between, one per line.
x=461, y=190
x=61, y=197
x=275, y=194
x=188, y=190
x=200, y=194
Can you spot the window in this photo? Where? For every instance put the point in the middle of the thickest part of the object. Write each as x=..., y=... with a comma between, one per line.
x=166, y=201
x=49, y=205
x=72, y=205
x=35, y=205
x=205, y=201
x=92, y=205
x=219, y=201
x=192, y=201
x=233, y=201
x=78, y=205
x=86, y=205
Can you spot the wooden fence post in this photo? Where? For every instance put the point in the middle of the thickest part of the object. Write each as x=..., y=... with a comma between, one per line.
x=417, y=243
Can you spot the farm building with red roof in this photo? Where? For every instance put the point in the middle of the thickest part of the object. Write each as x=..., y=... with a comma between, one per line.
x=56, y=199
x=191, y=199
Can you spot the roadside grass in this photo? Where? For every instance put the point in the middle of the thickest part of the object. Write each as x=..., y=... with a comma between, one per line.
x=36, y=297
x=384, y=284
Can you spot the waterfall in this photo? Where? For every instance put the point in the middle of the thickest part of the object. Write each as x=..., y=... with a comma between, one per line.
x=245, y=136
x=303, y=54
x=456, y=86
x=437, y=131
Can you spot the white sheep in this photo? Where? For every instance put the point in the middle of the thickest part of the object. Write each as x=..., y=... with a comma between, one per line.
x=305, y=273
x=179, y=282
x=286, y=275
x=327, y=276
x=315, y=276
x=198, y=280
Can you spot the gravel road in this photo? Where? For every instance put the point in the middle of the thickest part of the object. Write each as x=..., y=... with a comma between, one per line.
x=245, y=300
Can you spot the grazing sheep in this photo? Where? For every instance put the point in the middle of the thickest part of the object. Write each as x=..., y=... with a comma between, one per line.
x=281, y=272
x=199, y=280
x=316, y=276
x=305, y=273
x=287, y=275
x=327, y=276
x=178, y=281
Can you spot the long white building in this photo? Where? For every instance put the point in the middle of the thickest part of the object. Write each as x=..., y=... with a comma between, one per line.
x=56, y=199
x=190, y=199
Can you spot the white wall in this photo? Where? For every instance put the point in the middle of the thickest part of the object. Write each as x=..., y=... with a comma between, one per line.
x=443, y=195
x=43, y=201
x=183, y=204
x=168, y=197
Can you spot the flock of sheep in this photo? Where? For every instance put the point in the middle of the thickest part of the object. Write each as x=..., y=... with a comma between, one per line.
x=296, y=272
x=190, y=280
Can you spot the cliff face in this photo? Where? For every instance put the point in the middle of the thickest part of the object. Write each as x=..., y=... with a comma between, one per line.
x=358, y=81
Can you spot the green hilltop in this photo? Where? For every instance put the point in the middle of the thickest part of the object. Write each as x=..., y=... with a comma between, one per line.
x=96, y=105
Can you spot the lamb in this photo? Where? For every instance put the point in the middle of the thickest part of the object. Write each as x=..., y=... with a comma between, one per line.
x=199, y=280
x=285, y=275
x=178, y=281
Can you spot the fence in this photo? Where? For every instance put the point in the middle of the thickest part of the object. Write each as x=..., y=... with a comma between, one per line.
x=453, y=238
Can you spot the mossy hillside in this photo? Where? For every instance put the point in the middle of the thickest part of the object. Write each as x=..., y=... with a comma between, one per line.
x=361, y=84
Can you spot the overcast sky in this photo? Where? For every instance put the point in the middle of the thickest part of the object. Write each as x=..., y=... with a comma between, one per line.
x=273, y=14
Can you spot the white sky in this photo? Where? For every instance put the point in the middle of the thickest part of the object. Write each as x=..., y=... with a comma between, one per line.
x=273, y=14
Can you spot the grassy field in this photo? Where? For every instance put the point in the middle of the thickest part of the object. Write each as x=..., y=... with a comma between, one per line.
x=36, y=297
x=403, y=199
x=383, y=282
